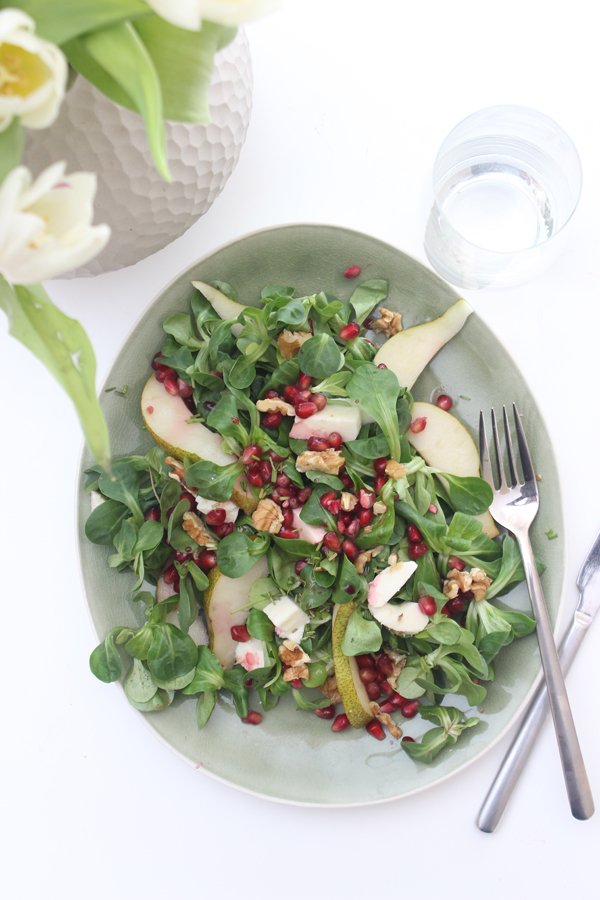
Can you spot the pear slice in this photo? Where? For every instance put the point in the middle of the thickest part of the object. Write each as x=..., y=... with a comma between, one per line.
x=341, y=417
x=223, y=305
x=407, y=353
x=352, y=691
x=389, y=581
x=446, y=444
x=401, y=618
x=166, y=418
x=223, y=600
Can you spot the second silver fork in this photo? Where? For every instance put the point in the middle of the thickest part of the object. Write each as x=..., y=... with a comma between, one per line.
x=515, y=506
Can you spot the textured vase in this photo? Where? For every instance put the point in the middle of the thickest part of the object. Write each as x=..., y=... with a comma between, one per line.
x=144, y=212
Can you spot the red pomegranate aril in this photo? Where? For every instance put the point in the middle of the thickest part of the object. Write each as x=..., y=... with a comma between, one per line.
x=295, y=683
x=155, y=361
x=341, y=525
x=417, y=425
x=330, y=502
x=349, y=331
x=367, y=675
x=182, y=557
x=334, y=440
x=384, y=686
x=427, y=605
x=153, y=514
x=304, y=382
x=185, y=389
x=410, y=708
x=290, y=392
x=365, y=661
x=189, y=497
x=456, y=606
x=215, y=517
x=332, y=542
x=253, y=717
x=340, y=723
x=444, y=402
x=282, y=480
x=266, y=470
x=288, y=518
x=381, y=366
x=326, y=712
x=417, y=550
x=318, y=444
x=161, y=373
x=294, y=503
x=320, y=400
x=251, y=454
x=223, y=530
x=373, y=691
x=350, y=589
x=206, y=560
x=271, y=394
x=408, y=740
x=380, y=464
x=272, y=419
x=366, y=498
x=275, y=458
x=240, y=633
x=352, y=272
x=455, y=563
x=352, y=528
x=349, y=547
x=346, y=481
x=385, y=665
x=289, y=533
x=254, y=476
x=305, y=409
x=413, y=533
x=387, y=707
x=302, y=396
x=303, y=495
x=432, y=508
x=379, y=482
x=170, y=384
x=299, y=565
x=365, y=517
x=169, y=575
x=397, y=699
x=375, y=729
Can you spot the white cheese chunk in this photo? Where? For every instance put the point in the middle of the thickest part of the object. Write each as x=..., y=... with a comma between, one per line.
x=287, y=617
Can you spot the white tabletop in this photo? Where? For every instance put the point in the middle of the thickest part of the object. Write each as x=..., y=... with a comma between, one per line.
x=351, y=101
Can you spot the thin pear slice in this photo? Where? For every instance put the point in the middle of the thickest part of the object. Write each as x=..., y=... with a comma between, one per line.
x=401, y=618
x=223, y=305
x=166, y=418
x=352, y=691
x=223, y=602
x=446, y=444
x=408, y=352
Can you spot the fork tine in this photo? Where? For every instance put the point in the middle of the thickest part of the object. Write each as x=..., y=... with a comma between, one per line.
x=526, y=463
x=509, y=449
x=484, y=453
x=501, y=476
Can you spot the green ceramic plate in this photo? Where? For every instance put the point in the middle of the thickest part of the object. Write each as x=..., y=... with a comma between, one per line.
x=293, y=756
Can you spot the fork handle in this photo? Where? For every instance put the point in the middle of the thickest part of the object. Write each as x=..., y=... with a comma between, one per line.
x=576, y=780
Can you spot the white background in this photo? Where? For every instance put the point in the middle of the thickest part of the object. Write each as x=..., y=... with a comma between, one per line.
x=351, y=101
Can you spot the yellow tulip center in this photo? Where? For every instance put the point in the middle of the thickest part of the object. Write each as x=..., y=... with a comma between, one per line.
x=21, y=72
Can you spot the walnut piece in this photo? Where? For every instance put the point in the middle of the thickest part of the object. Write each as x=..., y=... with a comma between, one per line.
x=480, y=583
x=177, y=466
x=267, y=516
x=294, y=659
x=460, y=582
x=348, y=501
x=275, y=404
x=365, y=556
x=398, y=663
x=289, y=342
x=386, y=720
x=194, y=527
x=329, y=461
x=395, y=469
x=329, y=689
x=388, y=322
x=379, y=508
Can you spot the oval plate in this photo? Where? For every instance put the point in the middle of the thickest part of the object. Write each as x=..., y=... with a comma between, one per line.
x=294, y=757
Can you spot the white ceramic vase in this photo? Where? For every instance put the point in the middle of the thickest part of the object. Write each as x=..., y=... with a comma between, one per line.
x=144, y=212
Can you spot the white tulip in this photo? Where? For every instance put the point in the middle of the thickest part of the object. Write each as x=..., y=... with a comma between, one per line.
x=190, y=13
x=33, y=73
x=45, y=225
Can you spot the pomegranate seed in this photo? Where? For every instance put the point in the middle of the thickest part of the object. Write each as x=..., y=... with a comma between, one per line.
x=153, y=514
x=155, y=363
x=413, y=533
x=303, y=495
x=365, y=517
x=352, y=528
x=288, y=518
x=417, y=550
x=455, y=563
x=282, y=481
x=366, y=498
x=365, y=661
x=320, y=400
x=271, y=394
x=290, y=392
x=215, y=517
x=162, y=372
x=385, y=666
x=380, y=464
x=170, y=384
x=341, y=525
x=275, y=458
x=375, y=729
x=379, y=482
x=456, y=606
x=346, y=481
x=381, y=366
x=349, y=548
x=373, y=690
x=410, y=708
x=240, y=633
x=334, y=440
x=408, y=740
x=305, y=409
x=444, y=402
x=418, y=424
x=326, y=712
x=289, y=533
x=299, y=565
x=349, y=589
x=182, y=557
x=206, y=560
x=387, y=707
x=185, y=389
x=397, y=699
x=272, y=419
x=296, y=683
x=250, y=454
x=330, y=502
x=349, y=331
x=249, y=682
x=169, y=575
x=189, y=497
x=254, y=476
x=368, y=675
x=432, y=508
x=318, y=444
x=427, y=605
x=266, y=470
x=223, y=530
x=352, y=272
x=340, y=723
x=302, y=395
x=385, y=687
x=304, y=381
x=446, y=609
x=332, y=542
x=253, y=717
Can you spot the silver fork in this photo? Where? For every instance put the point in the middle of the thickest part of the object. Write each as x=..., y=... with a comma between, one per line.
x=515, y=506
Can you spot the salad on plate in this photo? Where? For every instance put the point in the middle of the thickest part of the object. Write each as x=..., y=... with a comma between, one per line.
x=303, y=528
